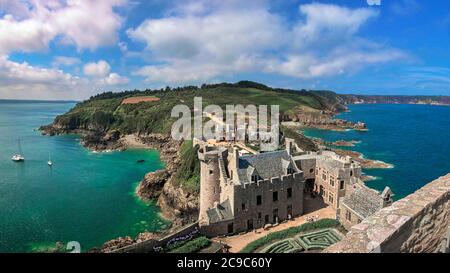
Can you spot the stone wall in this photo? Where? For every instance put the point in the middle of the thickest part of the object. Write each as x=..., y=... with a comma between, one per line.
x=416, y=223
x=246, y=196
x=149, y=245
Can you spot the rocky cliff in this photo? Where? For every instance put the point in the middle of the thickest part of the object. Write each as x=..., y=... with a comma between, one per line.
x=177, y=203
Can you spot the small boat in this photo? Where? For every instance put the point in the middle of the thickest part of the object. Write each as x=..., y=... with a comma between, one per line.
x=49, y=162
x=18, y=157
x=141, y=161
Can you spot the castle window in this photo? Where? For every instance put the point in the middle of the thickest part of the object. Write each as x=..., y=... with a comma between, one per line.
x=258, y=200
x=311, y=170
x=348, y=216
x=210, y=172
x=289, y=192
x=231, y=175
x=351, y=173
x=275, y=196
x=332, y=182
x=324, y=177
x=259, y=215
x=243, y=206
x=290, y=171
x=254, y=178
x=330, y=197
x=341, y=184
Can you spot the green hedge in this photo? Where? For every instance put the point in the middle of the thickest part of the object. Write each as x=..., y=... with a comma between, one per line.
x=193, y=246
x=290, y=232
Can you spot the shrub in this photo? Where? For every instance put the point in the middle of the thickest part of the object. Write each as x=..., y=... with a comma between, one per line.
x=192, y=246
x=290, y=232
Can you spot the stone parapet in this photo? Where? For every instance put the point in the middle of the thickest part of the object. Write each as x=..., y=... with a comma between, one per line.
x=416, y=223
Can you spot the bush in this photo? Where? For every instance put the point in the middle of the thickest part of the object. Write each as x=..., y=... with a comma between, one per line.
x=193, y=246
x=188, y=174
x=290, y=232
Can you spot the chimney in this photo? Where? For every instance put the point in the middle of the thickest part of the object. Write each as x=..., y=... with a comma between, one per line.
x=289, y=145
x=235, y=158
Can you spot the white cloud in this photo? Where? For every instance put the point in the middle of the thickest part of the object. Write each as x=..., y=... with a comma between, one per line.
x=22, y=80
x=200, y=42
x=98, y=69
x=114, y=79
x=30, y=25
x=65, y=61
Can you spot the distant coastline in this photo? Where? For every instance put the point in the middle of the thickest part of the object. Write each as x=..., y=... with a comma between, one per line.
x=38, y=101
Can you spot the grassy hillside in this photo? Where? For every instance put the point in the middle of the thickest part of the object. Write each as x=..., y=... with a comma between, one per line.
x=106, y=112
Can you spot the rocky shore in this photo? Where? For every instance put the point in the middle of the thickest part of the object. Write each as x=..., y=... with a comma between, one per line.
x=324, y=120
x=176, y=204
x=121, y=242
x=365, y=163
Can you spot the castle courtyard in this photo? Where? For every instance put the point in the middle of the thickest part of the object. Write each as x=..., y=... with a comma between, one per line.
x=314, y=208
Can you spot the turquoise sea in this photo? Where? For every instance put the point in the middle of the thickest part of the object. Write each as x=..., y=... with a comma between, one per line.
x=414, y=138
x=86, y=197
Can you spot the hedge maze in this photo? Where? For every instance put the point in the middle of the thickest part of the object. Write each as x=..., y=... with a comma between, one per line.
x=290, y=245
x=319, y=239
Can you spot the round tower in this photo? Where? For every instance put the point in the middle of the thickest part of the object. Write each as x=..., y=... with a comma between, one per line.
x=209, y=179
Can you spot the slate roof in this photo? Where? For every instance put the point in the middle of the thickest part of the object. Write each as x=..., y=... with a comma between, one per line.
x=267, y=165
x=220, y=213
x=364, y=201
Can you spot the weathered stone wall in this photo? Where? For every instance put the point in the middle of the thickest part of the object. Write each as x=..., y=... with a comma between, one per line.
x=416, y=223
x=209, y=179
x=149, y=245
x=247, y=195
x=347, y=217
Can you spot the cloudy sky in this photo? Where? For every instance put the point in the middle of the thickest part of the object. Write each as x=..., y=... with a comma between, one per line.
x=71, y=49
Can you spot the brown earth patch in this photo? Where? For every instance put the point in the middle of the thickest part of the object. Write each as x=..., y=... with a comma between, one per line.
x=135, y=100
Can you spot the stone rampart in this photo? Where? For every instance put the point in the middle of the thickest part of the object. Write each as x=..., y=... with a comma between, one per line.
x=416, y=223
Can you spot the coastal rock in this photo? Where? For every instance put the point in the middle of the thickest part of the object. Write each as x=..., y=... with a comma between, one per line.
x=152, y=185
x=115, y=244
x=178, y=205
x=121, y=242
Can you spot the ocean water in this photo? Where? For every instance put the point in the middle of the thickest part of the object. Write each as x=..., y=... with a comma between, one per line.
x=414, y=138
x=86, y=197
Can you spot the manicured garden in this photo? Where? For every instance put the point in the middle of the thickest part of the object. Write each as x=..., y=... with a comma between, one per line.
x=307, y=239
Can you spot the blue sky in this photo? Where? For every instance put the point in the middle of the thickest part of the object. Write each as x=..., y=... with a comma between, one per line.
x=71, y=49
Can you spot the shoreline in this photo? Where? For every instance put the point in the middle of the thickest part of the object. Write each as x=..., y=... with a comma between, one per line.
x=153, y=187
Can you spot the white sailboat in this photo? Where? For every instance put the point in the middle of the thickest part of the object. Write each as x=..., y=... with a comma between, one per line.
x=49, y=162
x=18, y=157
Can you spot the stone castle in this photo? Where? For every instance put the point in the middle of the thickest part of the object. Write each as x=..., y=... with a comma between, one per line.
x=240, y=191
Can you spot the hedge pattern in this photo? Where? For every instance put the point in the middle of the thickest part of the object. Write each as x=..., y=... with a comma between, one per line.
x=288, y=233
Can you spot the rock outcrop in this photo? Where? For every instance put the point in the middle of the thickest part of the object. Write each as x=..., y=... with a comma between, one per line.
x=121, y=242
x=176, y=203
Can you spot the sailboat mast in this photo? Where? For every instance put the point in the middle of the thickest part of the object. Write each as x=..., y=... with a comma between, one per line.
x=20, y=146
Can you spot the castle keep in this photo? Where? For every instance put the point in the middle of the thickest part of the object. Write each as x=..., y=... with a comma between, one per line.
x=240, y=191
